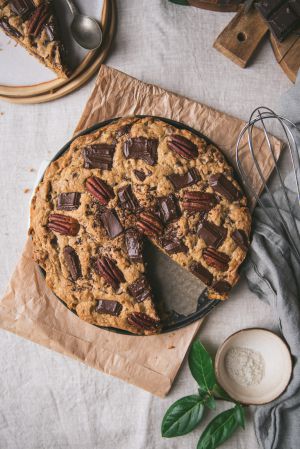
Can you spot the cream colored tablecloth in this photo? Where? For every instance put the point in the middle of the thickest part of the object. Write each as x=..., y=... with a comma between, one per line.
x=47, y=400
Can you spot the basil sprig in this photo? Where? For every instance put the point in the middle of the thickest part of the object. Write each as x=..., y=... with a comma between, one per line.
x=186, y=414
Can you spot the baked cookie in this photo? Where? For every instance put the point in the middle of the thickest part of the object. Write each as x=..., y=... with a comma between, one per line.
x=33, y=24
x=133, y=179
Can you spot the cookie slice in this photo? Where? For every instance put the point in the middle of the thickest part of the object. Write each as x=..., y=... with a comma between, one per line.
x=33, y=24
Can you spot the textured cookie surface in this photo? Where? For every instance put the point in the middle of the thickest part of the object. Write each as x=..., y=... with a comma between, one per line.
x=33, y=24
x=131, y=180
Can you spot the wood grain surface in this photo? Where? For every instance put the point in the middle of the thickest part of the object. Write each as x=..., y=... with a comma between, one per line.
x=239, y=40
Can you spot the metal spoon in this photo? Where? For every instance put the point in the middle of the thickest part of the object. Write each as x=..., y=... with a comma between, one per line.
x=85, y=30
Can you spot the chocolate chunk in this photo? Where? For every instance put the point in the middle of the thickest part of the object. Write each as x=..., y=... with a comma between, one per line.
x=140, y=289
x=267, y=7
x=72, y=262
x=168, y=208
x=68, y=201
x=21, y=8
x=140, y=175
x=123, y=130
x=282, y=17
x=212, y=234
x=51, y=32
x=141, y=148
x=99, y=155
x=134, y=245
x=143, y=322
x=187, y=179
x=128, y=199
x=224, y=187
x=216, y=259
x=111, y=222
x=6, y=26
x=202, y=273
x=108, y=307
x=240, y=238
x=173, y=245
x=222, y=287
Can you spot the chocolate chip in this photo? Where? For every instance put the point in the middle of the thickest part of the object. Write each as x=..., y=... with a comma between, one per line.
x=99, y=156
x=140, y=289
x=222, y=287
x=224, y=187
x=187, y=179
x=123, y=130
x=240, y=238
x=109, y=307
x=168, y=208
x=127, y=198
x=8, y=28
x=72, y=261
x=212, y=234
x=173, y=245
x=68, y=201
x=141, y=148
x=201, y=272
x=111, y=222
x=134, y=245
x=141, y=176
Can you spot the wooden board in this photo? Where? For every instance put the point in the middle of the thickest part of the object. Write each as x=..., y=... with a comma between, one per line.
x=239, y=40
x=287, y=54
x=59, y=87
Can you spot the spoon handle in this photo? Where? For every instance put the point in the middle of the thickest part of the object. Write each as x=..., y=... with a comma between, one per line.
x=72, y=7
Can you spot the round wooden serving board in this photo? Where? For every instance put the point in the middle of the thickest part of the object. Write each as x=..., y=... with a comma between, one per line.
x=58, y=87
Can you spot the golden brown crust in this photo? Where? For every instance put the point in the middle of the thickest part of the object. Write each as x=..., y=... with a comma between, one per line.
x=92, y=242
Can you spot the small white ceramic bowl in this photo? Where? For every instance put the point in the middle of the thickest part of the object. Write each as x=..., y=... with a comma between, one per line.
x=277, y=366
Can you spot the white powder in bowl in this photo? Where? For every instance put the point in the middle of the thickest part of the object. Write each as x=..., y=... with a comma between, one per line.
x=245, y=366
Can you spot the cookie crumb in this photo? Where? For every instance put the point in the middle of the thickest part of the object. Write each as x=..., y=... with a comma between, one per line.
x=171, y=347
x=32, y=170
x=26, y=190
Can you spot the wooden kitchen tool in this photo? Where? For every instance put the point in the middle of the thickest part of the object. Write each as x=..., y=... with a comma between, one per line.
x=239, y=40
x=287, y=54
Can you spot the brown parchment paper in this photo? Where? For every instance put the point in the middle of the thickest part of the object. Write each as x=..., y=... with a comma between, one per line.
x=32, y=311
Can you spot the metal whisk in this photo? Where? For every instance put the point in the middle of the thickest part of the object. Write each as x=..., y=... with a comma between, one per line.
x=286, y=225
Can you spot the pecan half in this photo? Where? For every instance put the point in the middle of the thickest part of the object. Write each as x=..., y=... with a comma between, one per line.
x=63, y=225
x=183, y=146
x=149, y=224
x=194, y=201
x=216, y=259
x=38, y=19
x=99, y=189
x=108, y=269
x=142, y=321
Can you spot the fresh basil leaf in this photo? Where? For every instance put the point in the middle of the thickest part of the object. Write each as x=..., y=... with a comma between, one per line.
x=219, y=429
x=240, y=415
x=182, y=417
x=219, y=393
x=201, y=367
x=210, y=402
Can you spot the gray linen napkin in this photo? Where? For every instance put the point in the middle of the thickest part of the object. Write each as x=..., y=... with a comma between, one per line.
x=273, y=273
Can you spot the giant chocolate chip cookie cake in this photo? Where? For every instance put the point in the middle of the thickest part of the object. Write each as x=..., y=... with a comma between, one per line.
x=135, y=179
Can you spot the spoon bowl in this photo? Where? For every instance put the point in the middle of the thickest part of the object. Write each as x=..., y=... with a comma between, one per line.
x=85, y=30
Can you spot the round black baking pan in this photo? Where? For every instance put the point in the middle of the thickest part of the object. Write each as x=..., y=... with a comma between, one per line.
x=174, y=320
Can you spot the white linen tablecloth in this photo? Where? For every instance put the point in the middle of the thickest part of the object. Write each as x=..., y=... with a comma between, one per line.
x=49, y=401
